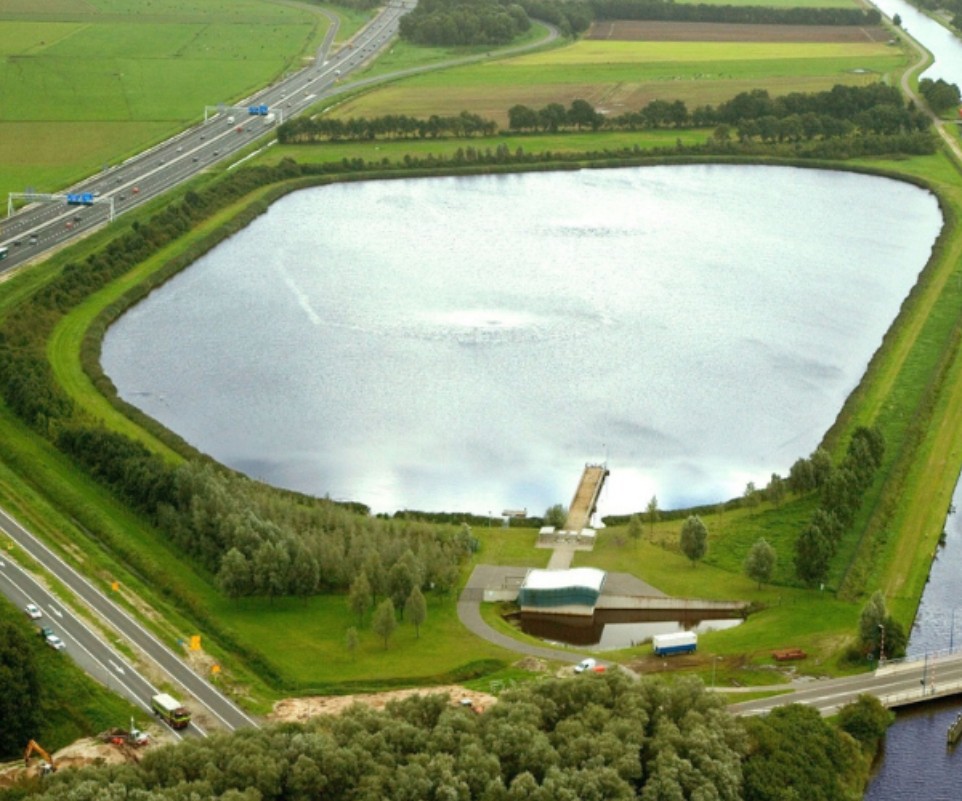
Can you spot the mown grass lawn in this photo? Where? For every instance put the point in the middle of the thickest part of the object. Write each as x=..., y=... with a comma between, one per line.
x=306, y=643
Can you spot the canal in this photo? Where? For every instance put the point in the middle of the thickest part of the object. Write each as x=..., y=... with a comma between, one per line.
x=916, y=762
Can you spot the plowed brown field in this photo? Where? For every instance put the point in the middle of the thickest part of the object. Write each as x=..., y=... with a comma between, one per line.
x=654, y=31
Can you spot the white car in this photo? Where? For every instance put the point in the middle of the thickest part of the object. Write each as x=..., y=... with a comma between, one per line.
x=33, y=611
x=586, y=664
x=55, y=642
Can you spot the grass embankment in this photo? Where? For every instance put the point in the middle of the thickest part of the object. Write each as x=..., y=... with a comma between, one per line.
x=85, y=85
x=72, y=705
x=618, y=75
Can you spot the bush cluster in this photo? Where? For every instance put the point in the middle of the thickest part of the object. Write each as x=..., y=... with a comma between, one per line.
x=464, y=22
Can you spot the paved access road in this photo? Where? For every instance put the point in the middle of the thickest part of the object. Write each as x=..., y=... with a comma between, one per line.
x=90, y=651
x=897, y=684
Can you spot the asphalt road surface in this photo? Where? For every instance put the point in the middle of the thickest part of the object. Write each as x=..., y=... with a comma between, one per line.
x=897, y=684
x=90, y=651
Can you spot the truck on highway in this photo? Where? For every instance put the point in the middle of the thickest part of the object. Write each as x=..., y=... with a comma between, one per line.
x=679, y=642
x=269, y=119
x=170, y=710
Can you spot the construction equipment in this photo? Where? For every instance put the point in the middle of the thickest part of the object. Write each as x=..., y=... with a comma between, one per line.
x=117, y=736
x=47, y=764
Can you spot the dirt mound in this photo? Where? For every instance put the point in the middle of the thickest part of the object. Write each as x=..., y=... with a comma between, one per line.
x=302, y=709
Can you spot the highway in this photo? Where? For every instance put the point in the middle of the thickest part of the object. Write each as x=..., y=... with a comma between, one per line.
x=90, y=651
x=83, y=645
x=50, y=222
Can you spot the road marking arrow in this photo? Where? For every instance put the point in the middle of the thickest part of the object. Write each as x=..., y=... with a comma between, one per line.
x=116, y=667
x=56, y=611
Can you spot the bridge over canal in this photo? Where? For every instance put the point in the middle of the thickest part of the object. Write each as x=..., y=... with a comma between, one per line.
x=903, y=683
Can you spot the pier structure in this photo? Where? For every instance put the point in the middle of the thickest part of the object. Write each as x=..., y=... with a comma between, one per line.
x=585, y=501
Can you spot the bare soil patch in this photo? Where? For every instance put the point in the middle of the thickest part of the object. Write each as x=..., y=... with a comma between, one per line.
x=659, y=31
x=302, y=709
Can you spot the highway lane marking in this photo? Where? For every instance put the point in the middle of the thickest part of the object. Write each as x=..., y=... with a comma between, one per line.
x=93, y=634
x=186, y=677
x=116, y=667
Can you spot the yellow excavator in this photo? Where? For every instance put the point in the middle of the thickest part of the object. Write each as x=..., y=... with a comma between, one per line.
x=47, y=764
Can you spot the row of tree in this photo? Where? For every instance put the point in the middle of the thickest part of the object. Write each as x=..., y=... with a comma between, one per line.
x=841, y=491
x=302, y=130
x=497, y=22
x=839, y=112
x=732, y=14
x=592, y=738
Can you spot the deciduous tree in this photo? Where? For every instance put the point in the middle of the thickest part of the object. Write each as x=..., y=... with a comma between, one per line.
x=694, y=538
x=385, y=621
x=416, y=610
x=760, y=562
x=359, y=599
x=652, y=510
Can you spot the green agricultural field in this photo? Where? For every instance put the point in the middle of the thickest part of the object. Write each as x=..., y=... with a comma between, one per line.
x=83, y=85
x=618, y=76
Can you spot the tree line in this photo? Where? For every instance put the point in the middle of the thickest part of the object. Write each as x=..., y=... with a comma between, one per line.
x=875, y=109
x=498, y=22
x=305, y=130
x=866, y=112
x=592, y=738
x=735, y=14
x=841, y=490
x=260, y=541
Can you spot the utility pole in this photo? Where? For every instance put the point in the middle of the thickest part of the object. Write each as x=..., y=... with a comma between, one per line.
x=881, y=647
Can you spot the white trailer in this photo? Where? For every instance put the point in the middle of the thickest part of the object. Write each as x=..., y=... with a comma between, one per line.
x=679, y=642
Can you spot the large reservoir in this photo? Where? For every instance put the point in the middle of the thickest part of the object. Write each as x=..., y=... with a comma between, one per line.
x=467, y=344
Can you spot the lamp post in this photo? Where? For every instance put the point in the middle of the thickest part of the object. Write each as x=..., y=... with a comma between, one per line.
x=881, y=647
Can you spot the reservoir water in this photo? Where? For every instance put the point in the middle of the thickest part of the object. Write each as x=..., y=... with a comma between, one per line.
x=467, y=344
